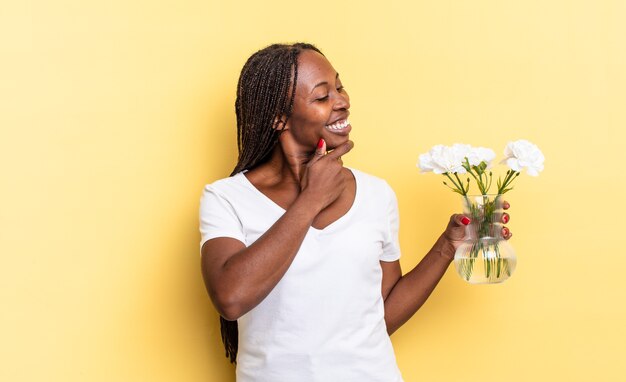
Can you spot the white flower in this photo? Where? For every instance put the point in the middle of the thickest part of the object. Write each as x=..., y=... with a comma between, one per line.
x=481, y=154
x=461, y=150
x=443, y=159
x=523, y=154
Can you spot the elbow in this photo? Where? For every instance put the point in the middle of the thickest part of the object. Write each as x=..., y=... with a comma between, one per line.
x=227, y=305
x=392, y=321
x=225, y=299
x=230, y=313
x=391, y=328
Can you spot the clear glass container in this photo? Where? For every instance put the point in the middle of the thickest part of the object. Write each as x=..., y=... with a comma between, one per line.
x=485, y=257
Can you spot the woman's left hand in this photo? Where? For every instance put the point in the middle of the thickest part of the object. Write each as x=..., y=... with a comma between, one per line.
x=455, y=232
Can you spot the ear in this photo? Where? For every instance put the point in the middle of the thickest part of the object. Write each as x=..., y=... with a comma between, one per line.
x=280, y=123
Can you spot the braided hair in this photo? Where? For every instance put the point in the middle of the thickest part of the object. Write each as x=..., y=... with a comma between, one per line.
x=265, y=93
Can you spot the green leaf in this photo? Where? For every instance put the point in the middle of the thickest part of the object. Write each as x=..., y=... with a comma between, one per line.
x=478, y=169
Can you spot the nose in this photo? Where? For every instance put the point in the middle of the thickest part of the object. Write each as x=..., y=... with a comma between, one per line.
x=342, y=102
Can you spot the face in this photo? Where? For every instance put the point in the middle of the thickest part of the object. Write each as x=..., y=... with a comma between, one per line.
x=321, y=104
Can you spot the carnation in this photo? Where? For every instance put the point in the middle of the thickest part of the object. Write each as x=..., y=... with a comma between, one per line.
x=458, y=159
x=481, y=154
x=522, y=154
x=443, y=159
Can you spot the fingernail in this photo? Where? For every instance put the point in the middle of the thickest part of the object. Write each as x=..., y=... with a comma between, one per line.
x=320, y=143
x=506, y=205
x=505, y=231
x=505, y=218
x=465, y=220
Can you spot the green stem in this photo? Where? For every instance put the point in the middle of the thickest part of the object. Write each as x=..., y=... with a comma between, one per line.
x=460, y=188
x=508, y=179
x=461, y=183
x=477, y=182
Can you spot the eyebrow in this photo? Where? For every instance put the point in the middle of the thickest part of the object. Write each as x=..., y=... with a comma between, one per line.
x=323, y=83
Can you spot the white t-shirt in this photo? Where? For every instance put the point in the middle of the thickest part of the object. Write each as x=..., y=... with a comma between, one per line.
x=324, y=320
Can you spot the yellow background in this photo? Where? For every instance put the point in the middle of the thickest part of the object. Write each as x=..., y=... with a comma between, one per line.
x=114, y=114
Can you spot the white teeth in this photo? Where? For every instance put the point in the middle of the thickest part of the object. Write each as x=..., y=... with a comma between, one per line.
x=339, y=125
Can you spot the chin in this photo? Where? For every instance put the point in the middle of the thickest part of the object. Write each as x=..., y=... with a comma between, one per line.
x=337, y=137
x=334, y=142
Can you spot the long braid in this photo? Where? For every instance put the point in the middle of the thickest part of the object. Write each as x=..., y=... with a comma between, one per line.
x=266, y=91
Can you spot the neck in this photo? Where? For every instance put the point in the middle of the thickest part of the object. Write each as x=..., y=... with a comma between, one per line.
x=287, y=167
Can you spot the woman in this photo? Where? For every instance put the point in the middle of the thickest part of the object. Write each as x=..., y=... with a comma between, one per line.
x=300, y=254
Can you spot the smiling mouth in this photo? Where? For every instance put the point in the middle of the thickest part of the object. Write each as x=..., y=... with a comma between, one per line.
x=339, y=127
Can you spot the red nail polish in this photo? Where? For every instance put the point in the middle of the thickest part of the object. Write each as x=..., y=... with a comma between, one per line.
x=465, y=220
x=506, y=205
x=505, y=218
x=505, y=231
x=320, y=143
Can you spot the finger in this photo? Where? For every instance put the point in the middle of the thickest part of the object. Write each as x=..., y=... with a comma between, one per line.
x=320, y=151
x=341, y=150
x=506, y=205
x=506, y=233
x=505, y=218
x=321, y=147
x=460, y=220
x=456, y=229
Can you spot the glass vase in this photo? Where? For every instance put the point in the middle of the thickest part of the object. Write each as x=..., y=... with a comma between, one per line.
x=485, y=257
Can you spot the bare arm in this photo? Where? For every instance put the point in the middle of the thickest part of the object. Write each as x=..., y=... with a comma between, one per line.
x=404, y=295
x=237, y=277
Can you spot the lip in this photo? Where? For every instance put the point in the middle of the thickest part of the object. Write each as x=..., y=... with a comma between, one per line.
x=344, y=132
x=339, y=119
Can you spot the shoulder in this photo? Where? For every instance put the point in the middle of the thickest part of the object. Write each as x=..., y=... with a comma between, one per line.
x=372, y=183
x=226, y=186
x=232, y=190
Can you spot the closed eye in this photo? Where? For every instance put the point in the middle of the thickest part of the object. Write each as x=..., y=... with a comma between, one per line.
x=322, y=98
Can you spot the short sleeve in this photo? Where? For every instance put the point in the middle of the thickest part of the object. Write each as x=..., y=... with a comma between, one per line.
x=218, y=217
x=391, y=245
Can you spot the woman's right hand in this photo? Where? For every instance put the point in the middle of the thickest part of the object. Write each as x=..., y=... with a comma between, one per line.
x=324, y=180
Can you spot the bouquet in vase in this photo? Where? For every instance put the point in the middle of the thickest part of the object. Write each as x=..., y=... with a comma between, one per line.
x=485, y=257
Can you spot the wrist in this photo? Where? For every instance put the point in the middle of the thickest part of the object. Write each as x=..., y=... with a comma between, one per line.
x=308, y=205
x=310, y=202
x=444, y=248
